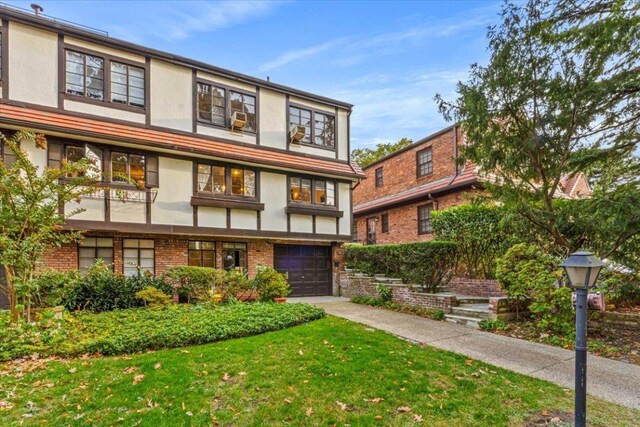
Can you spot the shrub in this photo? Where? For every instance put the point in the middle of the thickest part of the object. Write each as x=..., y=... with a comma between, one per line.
x=428, y=264
x=49, y=287
x=525, y=272
x=100, y=289
x=270, y=284
x=621, y=288
x=384, y=292
x=493, y=325
x=154, y=297
x=401, y=308
x=194, y=284
x=140, y=329
x=478, y=232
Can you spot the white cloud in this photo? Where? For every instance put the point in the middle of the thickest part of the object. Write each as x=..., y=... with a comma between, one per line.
x=295, y=55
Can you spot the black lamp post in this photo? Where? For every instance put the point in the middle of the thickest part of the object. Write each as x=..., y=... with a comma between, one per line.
x=582, y=268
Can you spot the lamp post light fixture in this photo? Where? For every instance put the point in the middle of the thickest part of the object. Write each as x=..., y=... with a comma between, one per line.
x=582, y=269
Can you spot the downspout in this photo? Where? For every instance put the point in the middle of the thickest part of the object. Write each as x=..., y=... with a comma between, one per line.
x=455, y=154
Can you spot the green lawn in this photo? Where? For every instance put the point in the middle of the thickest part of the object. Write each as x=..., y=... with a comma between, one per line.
x=328, y=372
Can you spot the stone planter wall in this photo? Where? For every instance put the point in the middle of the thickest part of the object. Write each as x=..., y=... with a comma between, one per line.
x=355, y=284
x=483, y=288
x=610, y=320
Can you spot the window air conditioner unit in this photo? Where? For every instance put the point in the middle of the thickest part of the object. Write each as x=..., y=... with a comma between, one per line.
x=238, y=120
x=296, y=133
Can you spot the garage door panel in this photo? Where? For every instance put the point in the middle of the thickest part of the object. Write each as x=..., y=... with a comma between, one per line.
x=308, y=268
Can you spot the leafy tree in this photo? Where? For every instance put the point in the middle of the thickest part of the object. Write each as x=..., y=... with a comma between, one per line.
x=30, y=218
x=560, y=95
x=365, y=156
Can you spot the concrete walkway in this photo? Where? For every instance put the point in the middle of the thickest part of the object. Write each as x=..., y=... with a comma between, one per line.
x=610, y=380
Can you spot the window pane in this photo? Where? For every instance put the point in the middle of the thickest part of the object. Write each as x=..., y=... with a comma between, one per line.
x=331, y=198
x=249, y=183
x=119, y=167
x=130, y=243
x=88, y=242
x=204, y=178
x=305, y=190
x=145, y=243
x=74, y=154
x=136, y=169
x=294, y=183
x=321, y=193
x=219, y=180
x=208, y=259
x=237, y=182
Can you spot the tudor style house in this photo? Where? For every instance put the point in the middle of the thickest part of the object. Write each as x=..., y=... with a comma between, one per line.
x=394, y=204
x=200, y=165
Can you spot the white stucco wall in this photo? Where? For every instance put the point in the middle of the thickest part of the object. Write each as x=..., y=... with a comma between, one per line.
x=173, y=205
x=171, y=96
x=325, y=225
x=273, y=193
x=243, y=219
x=212, y=217
x=330, y=154
x=273, y=119
x=248, y=138
x=93, y=209
x=127, y=211
x=98, y=110
x=301, y=224
x=344, y=205
x=37, y=156
x=33, y=65
x=227, y=82
x=108, y=50
x=343, y=134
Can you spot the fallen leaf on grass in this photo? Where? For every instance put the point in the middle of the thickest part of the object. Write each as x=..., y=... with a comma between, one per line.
x=374, y=400
x=157, y=365
x=309, y=412
x=189, y=414
x=403, y=409
x=287, y=400
x=468, y=362
x=73, y=370
x=138, y=378
x=377, y=417
x=417, y=418
x=341, y=405
x=129, y=370
x=226, y=377
x=301, y=353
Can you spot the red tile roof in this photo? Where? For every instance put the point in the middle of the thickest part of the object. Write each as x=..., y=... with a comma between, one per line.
x=65, y=122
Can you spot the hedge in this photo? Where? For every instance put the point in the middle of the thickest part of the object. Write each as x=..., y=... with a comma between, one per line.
x=428, y=264
x=140, y=329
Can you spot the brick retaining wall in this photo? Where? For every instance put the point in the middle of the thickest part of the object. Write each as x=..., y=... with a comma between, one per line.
x=608, y=320
x=484, y=288
x=352, y=285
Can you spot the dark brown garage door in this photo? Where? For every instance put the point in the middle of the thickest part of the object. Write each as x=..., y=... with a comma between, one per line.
x=309, y=268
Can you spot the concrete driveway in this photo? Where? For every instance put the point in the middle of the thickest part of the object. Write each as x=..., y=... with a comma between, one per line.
x=610, y=380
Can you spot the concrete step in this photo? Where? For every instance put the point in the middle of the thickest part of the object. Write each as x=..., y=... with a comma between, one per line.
x=474, y=322
x=471, y=300
x=472, y=311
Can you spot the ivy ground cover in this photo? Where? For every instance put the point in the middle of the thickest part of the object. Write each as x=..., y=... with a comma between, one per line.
x=323, y=373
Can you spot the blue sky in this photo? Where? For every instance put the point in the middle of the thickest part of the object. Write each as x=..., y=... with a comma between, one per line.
x=389, y=59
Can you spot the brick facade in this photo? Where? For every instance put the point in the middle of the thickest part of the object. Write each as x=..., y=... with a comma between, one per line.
x=400, y=175
x=174, y=250
x=484, y=288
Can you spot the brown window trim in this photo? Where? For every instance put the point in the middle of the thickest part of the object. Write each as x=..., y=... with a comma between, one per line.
x=316, y=210
x=124, y=265
x=384, y=223
x=312, y=203
x=226, y=203
x=202, y=251
x=106, y=102
x=113, y=250
x=379, y=180
x=106, y=160
x=313, y=128
x=418, y=162
x=227, y=103
x=420, y=232
x=227, y=174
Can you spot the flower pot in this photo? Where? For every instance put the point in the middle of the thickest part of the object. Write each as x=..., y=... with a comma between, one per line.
x=280, y=300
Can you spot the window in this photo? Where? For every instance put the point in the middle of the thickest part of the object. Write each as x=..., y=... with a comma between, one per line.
x=127, y=168
x=385, y=222
x=202, y=254
x=425, y=162
x=234, y=256
x=85, y=75
x=379, y=177
x=371, y=230
x=75, y=153
x=243, y=103
x=211, y=104
x=301, y=117
x=127, y=84
x=424, y=219
x=306, y=190
x=324, y=130
x=224, y=180
x=90, y=249
x=138, y=255
x=6, y=155
x=321, y=134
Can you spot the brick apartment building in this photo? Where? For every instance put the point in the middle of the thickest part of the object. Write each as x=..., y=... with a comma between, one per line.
x=230, y=171
x=393, y=204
